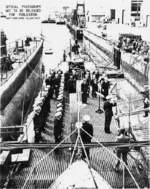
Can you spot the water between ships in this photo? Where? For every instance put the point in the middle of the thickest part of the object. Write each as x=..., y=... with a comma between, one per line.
x=57, y=38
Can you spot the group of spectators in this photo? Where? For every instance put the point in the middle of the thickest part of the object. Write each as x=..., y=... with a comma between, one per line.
x=92, y=83
x=133, y=45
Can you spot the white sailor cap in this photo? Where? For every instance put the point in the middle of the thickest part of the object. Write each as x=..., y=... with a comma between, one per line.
x=37, y=109
x=104, y=75
x=61, y=88
x=109, y=97
x=86, y=118
x=37, y=98
x=62, y=82
x=59, y=109
x=61, y=92
x=106, y=79
x=40, y=102
x=60, y=97
x=58, y=114
x=59, y=105
x=79, y=125
x=47, y=87
x=44, y=93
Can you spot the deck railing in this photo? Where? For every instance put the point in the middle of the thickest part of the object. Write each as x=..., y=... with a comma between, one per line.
x=19, y=59
x=50, y=164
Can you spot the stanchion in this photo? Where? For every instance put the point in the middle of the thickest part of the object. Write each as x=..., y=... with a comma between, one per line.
x=99, y=110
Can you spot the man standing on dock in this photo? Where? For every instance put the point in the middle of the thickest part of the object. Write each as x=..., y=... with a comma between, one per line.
x=37, y=124
x=56, y=84
x=84, y=89
x=58, y=127
x=76, y=47
x=108, y=105
x=105, y=87
x=86, y=133
x=71, y=85
x=64, y=56
x=146, y=100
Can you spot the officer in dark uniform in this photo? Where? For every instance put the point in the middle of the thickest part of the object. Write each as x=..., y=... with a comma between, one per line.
x=67, y=76
x=58, y=127
x=74, y=74
x=88, y=81
x=51, y=86
x=71, y=85
x=87, y=128
x=84, y=90
x=37, y=124
x=47, y=81
x=76, y=47
x=108, y=104
x=105, y=87
x=94, y=88
x=64, y=56
x=45, y=111
x=52, y=83
x=97, y=75
x=56, y=84
x=146, y=105
x=42, y=113
x=146, y=102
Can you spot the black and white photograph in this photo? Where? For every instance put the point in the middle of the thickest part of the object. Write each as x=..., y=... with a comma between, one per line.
x=74, y=94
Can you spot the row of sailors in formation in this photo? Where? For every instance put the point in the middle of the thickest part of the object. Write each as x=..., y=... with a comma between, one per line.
x=58, y=119
x=42, y=108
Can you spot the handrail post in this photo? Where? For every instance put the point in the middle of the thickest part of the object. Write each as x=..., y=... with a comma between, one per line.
x=35, y=174
x=123, y=187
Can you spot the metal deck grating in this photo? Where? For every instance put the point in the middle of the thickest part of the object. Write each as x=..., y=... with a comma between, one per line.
x=53, y=165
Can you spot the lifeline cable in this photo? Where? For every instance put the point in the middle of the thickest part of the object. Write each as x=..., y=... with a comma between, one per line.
x=114, y=156
x=38, y=162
